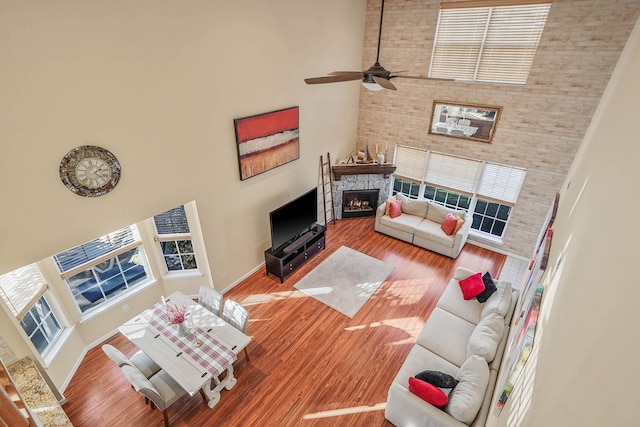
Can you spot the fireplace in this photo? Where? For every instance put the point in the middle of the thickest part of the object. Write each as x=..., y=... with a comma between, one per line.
x=360, y=179
x=359, y=203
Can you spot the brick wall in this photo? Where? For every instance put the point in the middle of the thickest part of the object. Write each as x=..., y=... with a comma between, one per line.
x=542, y=122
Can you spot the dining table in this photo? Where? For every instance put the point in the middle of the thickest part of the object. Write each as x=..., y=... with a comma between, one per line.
x=195, y=359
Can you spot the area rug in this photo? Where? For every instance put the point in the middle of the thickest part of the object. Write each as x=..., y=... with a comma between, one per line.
x=345, y=280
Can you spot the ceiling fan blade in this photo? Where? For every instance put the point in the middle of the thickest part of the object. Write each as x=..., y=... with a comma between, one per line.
x=376, y=73
x=346, y=73
x=332, y=79
x=384, y=83
x=424, y=78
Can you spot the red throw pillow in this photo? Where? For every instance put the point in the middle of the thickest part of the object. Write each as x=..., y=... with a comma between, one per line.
x=428, y=392
x=395, y=208
x=472, y=286
x=449, y=224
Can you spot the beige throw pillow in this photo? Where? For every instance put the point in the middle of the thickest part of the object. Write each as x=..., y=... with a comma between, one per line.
x=459, y=224
x=412, y=206
x=388, y=206
x=486, y=337
x=466, y=398
x=499, y=302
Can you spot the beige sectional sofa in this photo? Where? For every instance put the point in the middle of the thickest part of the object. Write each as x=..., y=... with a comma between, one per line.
x=420, y=223
x=455, y=340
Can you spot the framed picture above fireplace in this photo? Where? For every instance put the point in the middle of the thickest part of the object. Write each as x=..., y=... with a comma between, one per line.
x=266, y=141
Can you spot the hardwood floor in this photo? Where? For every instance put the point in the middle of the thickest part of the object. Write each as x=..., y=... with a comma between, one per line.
x=310, y=365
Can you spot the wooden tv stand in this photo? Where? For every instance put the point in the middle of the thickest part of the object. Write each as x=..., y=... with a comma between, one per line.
x=285, y=261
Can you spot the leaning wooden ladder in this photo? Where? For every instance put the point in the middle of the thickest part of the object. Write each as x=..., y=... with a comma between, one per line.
x=327, y=190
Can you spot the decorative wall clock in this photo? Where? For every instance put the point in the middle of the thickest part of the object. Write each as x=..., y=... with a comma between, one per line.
x=90, y=171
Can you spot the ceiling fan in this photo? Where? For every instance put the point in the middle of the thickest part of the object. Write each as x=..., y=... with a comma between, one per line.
x=375, y=77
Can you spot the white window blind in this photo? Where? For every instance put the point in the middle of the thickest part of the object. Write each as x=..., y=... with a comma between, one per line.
x=410, y=162
x=103, y=247
x=21, y=288
x=173, y=221
x=491, y=43
x=501, y=183
x=452, y=172
x=458, y=43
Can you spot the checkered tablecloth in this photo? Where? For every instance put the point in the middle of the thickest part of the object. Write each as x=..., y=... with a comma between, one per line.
x=212, y=355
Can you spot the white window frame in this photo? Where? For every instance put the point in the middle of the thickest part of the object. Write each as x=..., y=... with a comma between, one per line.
x=491, y=41
x=159, y=238
x=42, y=325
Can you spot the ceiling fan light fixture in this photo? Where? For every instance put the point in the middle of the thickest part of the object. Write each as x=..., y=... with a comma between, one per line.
x=370, y=84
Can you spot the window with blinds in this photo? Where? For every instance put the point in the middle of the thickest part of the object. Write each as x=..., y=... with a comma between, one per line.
x=410, y=162
x=21, y=288
x=501, y=183
x=452, y=172
x=174, y=237
x=23, y=292
x=488, y=41
x=173, y=221
x=489, y=189
x=104, y=268
x=107, y=245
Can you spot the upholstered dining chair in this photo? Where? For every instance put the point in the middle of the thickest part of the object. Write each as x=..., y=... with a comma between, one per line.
x=237, y=316
x=140, y=360
x=210, y=299
x=162, y=390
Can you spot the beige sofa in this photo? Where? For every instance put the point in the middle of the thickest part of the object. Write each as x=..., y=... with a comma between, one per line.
x=452, y=341
x=420, y=223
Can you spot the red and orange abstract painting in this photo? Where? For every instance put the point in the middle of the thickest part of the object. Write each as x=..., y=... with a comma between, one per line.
x=266, y=141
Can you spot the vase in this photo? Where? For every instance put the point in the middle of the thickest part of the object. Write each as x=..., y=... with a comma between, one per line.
x=181, y=329
x=380, y=158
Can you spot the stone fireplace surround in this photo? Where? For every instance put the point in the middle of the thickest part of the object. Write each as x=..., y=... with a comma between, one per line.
x=355, y=180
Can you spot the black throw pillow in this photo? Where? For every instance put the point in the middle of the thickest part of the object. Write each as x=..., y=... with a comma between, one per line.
x=438, y=379
x=489, y=288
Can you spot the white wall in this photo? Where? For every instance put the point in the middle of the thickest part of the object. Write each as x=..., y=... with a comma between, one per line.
x=158, y=83
x=584, y=371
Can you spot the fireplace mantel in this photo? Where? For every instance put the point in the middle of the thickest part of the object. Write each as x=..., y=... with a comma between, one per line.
x=385, y=169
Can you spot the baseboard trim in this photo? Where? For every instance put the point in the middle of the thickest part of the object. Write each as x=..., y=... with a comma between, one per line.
x=237, y=282
x=79, y=360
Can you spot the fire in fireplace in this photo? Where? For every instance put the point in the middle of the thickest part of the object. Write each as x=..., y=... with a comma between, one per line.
x=359, y=203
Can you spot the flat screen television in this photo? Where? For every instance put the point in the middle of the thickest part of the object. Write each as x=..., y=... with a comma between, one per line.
x=293, y=218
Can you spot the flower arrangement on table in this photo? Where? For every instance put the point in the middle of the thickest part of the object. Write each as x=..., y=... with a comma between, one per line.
x=175, y=314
